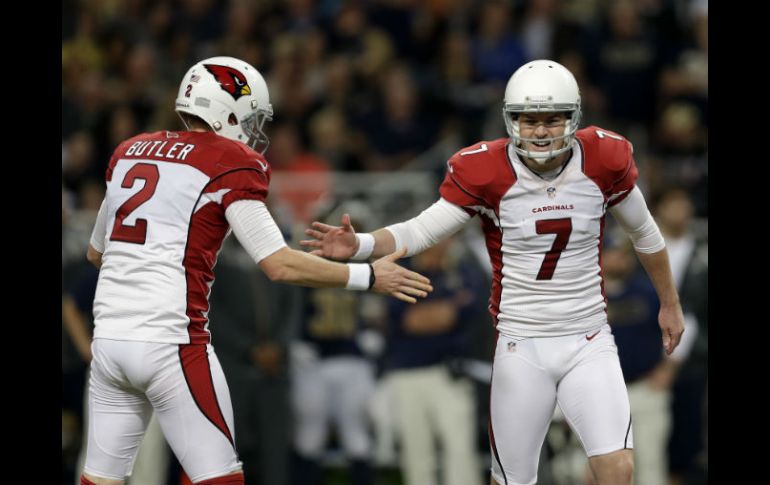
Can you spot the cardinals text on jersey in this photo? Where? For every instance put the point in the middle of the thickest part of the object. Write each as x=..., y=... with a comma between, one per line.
x=544, y=236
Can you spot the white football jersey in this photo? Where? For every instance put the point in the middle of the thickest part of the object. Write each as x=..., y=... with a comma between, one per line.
x=167, y=193
x=544, y=236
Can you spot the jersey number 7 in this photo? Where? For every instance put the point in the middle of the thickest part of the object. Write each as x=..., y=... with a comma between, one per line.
x=562, y=228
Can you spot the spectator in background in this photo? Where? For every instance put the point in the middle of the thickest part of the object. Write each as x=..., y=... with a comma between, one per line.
x=430, y=401
x=331, y=140
x=456, y=86
x=398, y=128
x=622, y=57
x=496, y=50
x=688, y=250
x=79, y=211
x=313, y=57
x=303, y=182
x=370, y=49
x=256, y=319
x=686, y=78
x=539, y=28
x=78, y=160
x=680, y=153
x=115, y=125
x=632, y=310
x=203, y=19
x=345, y=92
x=333, y=381
x=140, y=82
x=78, y=283
x=396, y=19
x=289, y=78
x=81, y=58
x=301, y=16
x=240, y=34
x=339, y=84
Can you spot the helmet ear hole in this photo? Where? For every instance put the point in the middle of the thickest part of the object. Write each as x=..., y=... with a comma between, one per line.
x=232, y=120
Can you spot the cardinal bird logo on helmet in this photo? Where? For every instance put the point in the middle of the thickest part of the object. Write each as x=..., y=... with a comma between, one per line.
x=230, y=80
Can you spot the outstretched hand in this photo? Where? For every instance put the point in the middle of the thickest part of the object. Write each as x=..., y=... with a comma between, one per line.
x=398, y=282
x=671, y=321
x=332, y=242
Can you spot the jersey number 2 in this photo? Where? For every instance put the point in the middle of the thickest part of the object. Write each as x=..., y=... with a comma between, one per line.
x=136, y=234
x=562, y=228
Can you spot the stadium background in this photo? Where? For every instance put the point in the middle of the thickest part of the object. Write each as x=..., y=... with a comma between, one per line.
x=371, y=98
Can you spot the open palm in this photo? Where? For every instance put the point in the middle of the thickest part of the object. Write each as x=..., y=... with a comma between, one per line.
x=332, y=242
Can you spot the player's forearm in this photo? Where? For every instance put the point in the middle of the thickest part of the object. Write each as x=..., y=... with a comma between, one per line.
x=432, y=225
x=384, y=243
x=94, y=257
x=658, y=269
x=299, y=268
x=96, y=243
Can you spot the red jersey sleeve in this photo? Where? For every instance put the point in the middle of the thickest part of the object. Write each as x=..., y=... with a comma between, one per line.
x=609, y=161
x=473, y=175
x=246, y=176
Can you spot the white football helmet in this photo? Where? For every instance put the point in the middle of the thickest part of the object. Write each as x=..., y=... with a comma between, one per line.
x=541, y=86
x=230, y=96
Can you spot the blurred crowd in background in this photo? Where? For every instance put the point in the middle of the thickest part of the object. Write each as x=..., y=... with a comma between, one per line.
x=371, y=98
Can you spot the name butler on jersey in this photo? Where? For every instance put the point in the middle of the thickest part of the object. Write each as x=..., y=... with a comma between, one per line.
x=167, y=301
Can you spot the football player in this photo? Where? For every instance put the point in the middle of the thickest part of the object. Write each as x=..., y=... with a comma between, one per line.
x=172, y=197
x=542, y=195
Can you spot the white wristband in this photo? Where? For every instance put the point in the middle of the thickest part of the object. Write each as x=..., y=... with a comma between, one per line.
x=365, y=247
x=358, y=277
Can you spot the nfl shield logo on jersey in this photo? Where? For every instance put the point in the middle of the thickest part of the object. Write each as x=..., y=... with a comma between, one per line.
x=551, y=192
x=511, y=346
